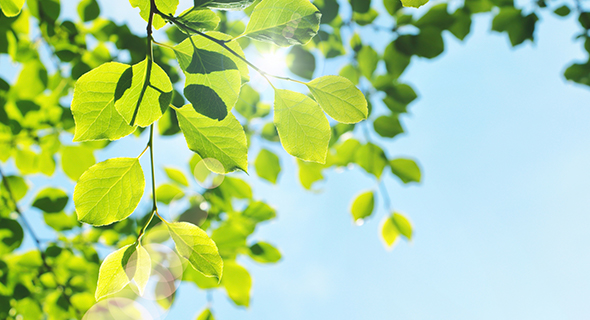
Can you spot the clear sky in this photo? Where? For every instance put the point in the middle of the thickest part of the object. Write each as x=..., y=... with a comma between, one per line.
x=501, y=218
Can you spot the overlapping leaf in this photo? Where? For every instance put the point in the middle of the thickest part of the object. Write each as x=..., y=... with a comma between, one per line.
x=224, y=4
x=200, y=19
x=93, y=105
x=120, y=267
x=194, y=244
x=140, y=102
x=11, y=8
x=284, y=23
x=165, y=6
x=213, y=75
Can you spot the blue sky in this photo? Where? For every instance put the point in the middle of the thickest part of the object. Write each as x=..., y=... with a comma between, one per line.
x=500, y=219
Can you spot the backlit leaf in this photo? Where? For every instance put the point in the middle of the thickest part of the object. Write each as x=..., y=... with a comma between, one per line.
x=120, y=267
x=109, y=191
x=405, y=169
x=200, y=19
x=363, y=205
x=194, y=244
x=339, y=98
x=76, y=160
x=303, y=128
x=213, y=75
x=264, y=253
x=284, y=23
x=93, y=105
x=237, y=283
x=267, y=165
x=11, y=8
x=223, y=140
x=224, y=4
x=393, y=226
x=141, y=104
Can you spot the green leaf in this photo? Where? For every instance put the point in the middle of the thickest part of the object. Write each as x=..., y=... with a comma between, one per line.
x=462, y=25
x=429, y=43
x=222, y=140
x=248, y=104
x=224, y=4
x=414, y=3
x=395, y=61
x=76, y=160
x=119, y=267
x=109, y=191
x=213, y=75
x=26, y=161
x=176, y=176
x=200, y=19
x=11, y=235
x=17, y=186
x=167, y=192
x=303, y=128
x=267, y=165
x=339, y=98
x=301, y=62
x=437, y=16
x=60, y=221
x=579, y=73
x=285, y=23
x=206, y=315
x=309, y=172
x=351, y=73
x=142, y=265
x=11, y=8
x=388, y=126
x=259, y=211
x=237, y=283
x=190, y=274
x=562, y=11
x=165, y=6
x=393, y=226
x=405, y=169
x=88, y=10
x=518, y=27
x=93, y=105
x=194, y=244
x=32, y=80
x=368, y=59
x=264, y=253
x=141, y=103
x=371, y=158
x=346, y=151
x=360, y=6
x=363, y=205
x=51, y=200
x=328, y=8
x=237, y=188
x=269, y=132
x=363, y=19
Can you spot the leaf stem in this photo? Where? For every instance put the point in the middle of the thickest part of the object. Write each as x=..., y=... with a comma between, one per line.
x=162, y=44
x=150, y=54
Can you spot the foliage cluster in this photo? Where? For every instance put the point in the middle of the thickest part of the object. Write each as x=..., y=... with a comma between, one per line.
x=76, y=99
